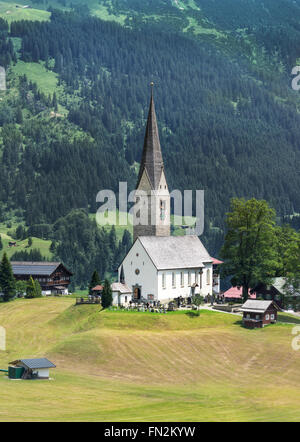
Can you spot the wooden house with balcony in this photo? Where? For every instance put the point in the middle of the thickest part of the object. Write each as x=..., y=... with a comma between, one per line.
x=54, y=277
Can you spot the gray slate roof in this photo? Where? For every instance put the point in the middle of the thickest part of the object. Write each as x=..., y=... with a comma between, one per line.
x=256, y=306
x=279, y=284
x=34, y=268
x=175, y=252
x=35, y=363
x=119, y=287
x=152, y=159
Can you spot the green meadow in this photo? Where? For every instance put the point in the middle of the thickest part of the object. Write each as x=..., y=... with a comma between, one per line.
x=37, y=73
x=15, y=11
x=129, y=366
x=21, y=245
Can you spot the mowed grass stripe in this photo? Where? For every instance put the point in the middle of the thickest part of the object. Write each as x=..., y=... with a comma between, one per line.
x=133, y=366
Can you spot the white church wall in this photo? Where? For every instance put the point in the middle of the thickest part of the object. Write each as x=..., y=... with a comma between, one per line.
x=182, y=287
x=139, y=270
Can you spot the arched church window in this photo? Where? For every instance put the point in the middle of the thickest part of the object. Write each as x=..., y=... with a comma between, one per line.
x=163, y=281
x=173, y=280
x=182, y=279
x=162, y=210
x=208, y=277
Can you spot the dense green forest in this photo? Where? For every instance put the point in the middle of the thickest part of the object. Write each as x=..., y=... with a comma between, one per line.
x=229, y=120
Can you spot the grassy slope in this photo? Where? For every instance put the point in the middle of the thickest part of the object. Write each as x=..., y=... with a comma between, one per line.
x=142, y=366
x=37, y=73
x=38, y=243
x=9, y=11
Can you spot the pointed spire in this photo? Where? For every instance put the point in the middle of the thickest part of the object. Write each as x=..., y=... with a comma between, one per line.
x=152, y=159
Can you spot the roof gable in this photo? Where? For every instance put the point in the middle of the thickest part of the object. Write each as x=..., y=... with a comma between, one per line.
x=42, y=268
x=34, y=363
x=257, y=306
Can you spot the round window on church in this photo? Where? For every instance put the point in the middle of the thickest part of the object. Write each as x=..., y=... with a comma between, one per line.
x=137, y=272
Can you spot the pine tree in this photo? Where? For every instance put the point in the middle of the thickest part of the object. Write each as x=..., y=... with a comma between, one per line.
x=38, y=290
x=19, y=116
x=54, y=102
x=33, y=289
x=30, y=289
x=52, y=247
x=1, y=244
x=106, y=295
x=94, y=281
x=7, y=280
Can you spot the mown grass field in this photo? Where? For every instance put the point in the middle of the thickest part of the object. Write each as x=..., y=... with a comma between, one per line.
x=37, y=73
x=125, y=366
x=38, y=243
x=10, y=12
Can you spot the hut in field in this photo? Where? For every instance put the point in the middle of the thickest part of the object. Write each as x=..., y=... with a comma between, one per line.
x=257, y=314
x=30, y=369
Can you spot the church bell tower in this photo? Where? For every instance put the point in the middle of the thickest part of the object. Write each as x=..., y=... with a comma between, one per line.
x=152, y=197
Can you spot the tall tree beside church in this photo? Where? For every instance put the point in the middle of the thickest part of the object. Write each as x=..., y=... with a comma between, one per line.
x=94, y=281
x=249, y=249
x=7, y=280
x=106, y=295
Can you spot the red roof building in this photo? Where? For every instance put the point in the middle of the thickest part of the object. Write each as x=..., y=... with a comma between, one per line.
x=236, y=293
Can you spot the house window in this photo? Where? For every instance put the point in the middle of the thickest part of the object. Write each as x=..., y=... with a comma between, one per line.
x=248, y=316
x=163, y=280
x=267, y=317
x=257, y=317
x=162, y=210
x=173, y=280
x=150, y=297
x=208, y=277
x=272, y=317
x=182, y=279
x=125, y=298
x=201, y=273
x=189, y=279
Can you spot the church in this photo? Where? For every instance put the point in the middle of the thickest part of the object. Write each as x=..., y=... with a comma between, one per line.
x=161, y=267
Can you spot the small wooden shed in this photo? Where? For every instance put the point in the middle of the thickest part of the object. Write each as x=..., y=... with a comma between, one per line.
x=32, y=368
x=257, y=314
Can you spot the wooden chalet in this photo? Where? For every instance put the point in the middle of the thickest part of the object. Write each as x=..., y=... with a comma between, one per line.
x=257, y=314
x=53, y=277
x=273, y=292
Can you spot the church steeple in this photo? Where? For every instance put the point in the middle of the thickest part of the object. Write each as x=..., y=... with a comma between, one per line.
x=152, y=159
x=152, y=213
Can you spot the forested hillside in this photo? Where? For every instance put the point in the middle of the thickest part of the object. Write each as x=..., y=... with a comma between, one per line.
x=229, y=120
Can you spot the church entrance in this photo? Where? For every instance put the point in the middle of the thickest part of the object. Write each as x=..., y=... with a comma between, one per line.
x=136, y=293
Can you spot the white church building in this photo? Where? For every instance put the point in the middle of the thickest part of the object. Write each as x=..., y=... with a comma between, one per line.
x=160, y=267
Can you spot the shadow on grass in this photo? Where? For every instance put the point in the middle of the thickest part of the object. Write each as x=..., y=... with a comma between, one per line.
x=193, y=314
x=287, y=319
